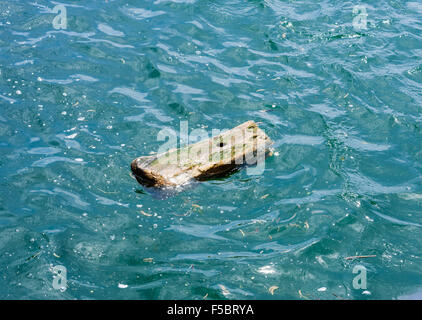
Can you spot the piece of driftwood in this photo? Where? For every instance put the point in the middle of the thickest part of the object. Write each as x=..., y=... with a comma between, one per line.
x=213, y=157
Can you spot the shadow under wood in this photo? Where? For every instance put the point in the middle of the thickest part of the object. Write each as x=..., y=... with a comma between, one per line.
x=162, y=193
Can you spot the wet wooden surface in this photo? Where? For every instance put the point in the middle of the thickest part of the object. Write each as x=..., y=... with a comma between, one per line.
x=216, y=156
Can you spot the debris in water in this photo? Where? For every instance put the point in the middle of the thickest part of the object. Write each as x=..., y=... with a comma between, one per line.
x=360, y=257
x=302, y=296
x=209, y=158
x=272, y=289
x=224, y=290
x=146, y=214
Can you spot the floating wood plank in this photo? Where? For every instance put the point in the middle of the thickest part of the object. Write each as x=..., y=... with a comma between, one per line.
x=216, y=156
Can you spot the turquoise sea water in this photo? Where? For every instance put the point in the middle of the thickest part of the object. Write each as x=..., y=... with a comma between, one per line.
x=343, y=104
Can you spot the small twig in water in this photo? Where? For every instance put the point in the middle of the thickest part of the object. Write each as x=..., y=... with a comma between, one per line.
x=360, y=257
x=108, y=192
x=338, y=297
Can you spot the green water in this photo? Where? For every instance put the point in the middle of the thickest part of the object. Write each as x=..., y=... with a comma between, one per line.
x=342, y=104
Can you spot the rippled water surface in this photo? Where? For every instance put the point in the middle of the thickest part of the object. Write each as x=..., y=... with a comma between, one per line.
x=342, y=104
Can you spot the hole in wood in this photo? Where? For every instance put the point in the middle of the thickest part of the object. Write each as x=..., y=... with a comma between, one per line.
x=221, y=144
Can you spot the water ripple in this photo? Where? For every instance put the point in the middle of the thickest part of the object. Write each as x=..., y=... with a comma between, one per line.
x=345, y=177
